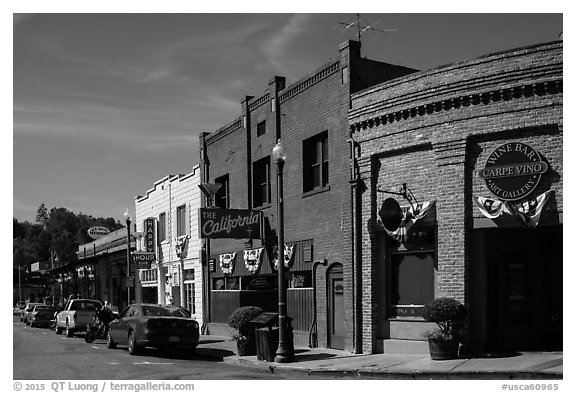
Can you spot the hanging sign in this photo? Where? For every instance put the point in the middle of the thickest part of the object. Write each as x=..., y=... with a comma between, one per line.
x=230, y=224
x=143, y=260
x=98, y=232
x=513, y=171
x=149, y=234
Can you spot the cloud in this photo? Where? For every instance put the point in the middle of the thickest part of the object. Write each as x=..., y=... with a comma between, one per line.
x=21, y=18
x=275, y=48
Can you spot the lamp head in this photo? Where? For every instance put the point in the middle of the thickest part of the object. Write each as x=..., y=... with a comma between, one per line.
x=278, y=152
x=127, y=216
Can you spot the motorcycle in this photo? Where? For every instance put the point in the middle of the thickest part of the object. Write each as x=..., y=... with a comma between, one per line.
x=99, y=329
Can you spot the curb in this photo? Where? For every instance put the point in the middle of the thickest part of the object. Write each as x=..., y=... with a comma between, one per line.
x=399, y=375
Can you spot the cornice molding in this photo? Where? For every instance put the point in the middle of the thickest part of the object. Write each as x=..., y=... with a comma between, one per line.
x=550, y=87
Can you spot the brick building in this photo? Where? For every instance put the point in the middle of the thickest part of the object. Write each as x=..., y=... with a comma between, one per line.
x=439, y=132
x=311, y=118
x=171, y=206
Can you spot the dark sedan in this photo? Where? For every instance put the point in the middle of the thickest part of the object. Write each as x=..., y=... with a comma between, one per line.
x=150, y=325
x=41, y=315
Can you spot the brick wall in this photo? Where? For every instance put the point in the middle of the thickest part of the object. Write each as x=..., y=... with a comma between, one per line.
x=434, y=129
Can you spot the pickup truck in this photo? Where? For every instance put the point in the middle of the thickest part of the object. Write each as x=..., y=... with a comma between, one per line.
x=76, y=316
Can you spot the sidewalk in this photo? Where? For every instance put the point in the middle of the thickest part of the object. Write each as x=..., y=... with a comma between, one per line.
x=326, y=362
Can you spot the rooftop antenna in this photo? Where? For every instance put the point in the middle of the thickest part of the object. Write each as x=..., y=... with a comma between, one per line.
x=361, y=29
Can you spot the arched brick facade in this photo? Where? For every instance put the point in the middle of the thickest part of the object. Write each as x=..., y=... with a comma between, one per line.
x=433, y=130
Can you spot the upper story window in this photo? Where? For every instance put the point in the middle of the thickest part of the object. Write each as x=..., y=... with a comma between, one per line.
x=181, y=227
x=261, y=182
x=222, y=198
x=261, y=128
x=315, y=157
x=161, y=227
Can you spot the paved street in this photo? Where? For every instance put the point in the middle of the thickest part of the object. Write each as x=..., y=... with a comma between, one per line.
x=41, y=354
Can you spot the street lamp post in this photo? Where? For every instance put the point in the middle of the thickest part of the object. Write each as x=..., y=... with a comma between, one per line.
x=128, y=254
x=285, y=351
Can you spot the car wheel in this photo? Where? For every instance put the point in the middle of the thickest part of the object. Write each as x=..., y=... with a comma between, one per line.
x=58, y=330
x=109, y=342
x=133, y=348
x=69, y=332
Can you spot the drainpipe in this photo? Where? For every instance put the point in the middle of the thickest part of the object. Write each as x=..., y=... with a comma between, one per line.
x=313, y=331
x=355, y=245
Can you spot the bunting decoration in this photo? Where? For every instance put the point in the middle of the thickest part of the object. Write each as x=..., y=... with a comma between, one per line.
x=491, y=208
x=227, y=262
x=529, y=212
x=410, y=216
x=288, y=253
x=252, y=259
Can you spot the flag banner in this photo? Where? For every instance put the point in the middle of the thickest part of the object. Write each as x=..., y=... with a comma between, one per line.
x=227, y=262
x=252, y=259
x=180, y=244
x=288, y=253
x=410, y=216
x=491, y=208
x=529, y=212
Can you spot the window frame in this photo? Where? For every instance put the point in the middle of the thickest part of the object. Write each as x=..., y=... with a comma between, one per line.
x=315, y=158
x=393, y=307
x=261, y=128
x=261, y=185
x=223, y=193
x=181, y=222
x=161, y=227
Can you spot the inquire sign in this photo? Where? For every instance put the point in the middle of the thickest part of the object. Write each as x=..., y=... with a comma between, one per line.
x=230, y=224
x=98, y=232
x=513, y=171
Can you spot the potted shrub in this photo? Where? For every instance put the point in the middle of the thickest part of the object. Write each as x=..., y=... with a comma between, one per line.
x=448, y=314
x=244, y=331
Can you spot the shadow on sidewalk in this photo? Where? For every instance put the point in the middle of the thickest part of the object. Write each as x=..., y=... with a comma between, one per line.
x=493, y=355
x=215, y=354
x=210, y=341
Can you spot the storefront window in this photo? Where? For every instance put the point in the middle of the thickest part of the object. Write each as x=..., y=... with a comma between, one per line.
x=412, y=283
x=301, y=279
x=190, y=300
x=259, y=283
x=218, y=284
x=233, y=283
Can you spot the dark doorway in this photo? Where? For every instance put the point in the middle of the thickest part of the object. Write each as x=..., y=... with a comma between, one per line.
x=525, y=288
x=335, y=289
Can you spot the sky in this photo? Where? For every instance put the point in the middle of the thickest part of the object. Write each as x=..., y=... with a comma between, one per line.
x=105, y=104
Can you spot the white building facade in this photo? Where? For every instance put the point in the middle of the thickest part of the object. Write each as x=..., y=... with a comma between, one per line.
x=176, y=275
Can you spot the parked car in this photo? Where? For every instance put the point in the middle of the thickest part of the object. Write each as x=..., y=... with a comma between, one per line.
x=151, y=325
x=28, y=309
x=76, y=316
x=41, y=315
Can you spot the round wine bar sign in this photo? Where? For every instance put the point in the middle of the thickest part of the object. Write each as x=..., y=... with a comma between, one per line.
x=513, y=171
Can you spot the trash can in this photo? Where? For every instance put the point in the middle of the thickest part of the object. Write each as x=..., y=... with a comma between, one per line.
x=266, y=335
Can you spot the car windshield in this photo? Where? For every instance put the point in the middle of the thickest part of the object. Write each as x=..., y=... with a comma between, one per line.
x=155, y=311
